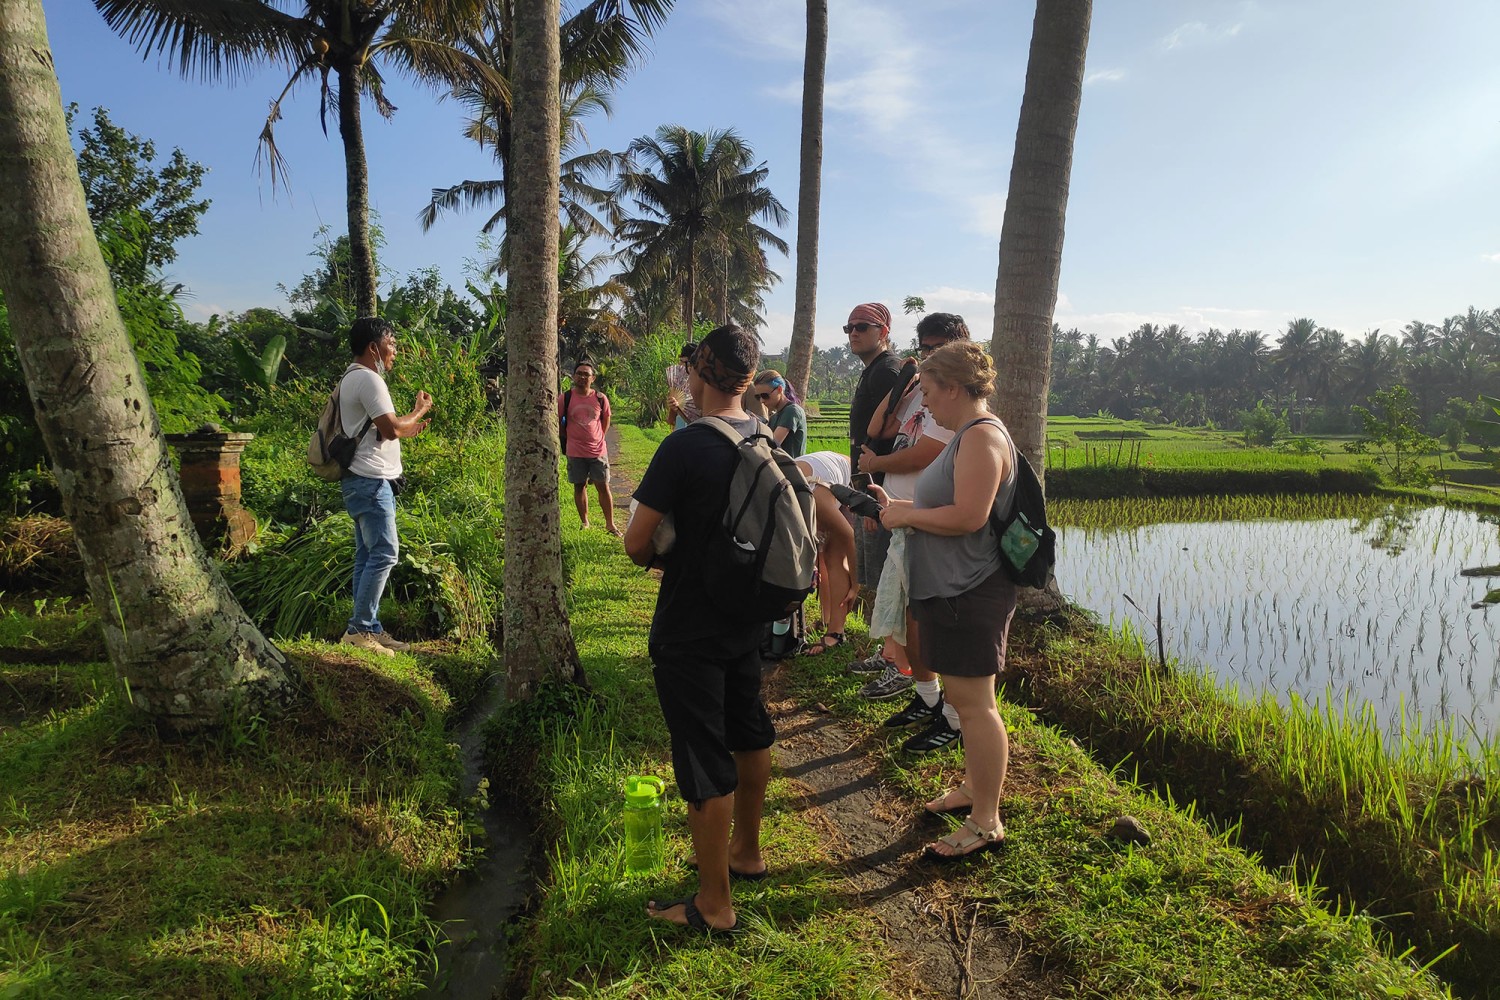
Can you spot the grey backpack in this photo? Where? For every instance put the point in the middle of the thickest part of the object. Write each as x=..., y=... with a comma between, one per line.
x=760, y=565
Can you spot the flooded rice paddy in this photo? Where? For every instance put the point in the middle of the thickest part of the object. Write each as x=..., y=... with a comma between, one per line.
x=1365, y=609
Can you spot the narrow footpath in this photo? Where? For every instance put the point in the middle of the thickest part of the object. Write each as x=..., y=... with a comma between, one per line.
x=875, y=841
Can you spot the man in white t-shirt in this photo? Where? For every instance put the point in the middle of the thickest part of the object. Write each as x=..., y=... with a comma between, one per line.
x=919, y=441
x=367, y=411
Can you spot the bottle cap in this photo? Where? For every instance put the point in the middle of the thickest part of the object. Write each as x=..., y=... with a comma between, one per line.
x=643, y=791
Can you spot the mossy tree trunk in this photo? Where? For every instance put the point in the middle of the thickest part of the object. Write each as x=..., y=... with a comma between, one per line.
x=538, y=641
x=175, y=633
x=1031, y=237
x=809, y=195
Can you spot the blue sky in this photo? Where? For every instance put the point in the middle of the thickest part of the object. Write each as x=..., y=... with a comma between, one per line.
x=1238, y=163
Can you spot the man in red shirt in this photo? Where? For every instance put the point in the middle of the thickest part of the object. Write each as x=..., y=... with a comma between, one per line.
x=583, y=412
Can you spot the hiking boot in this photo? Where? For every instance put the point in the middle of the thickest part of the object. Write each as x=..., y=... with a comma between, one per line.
x=938, y=736
x=916, y=711
x=391, y=642
x=888, y=685
x=875, y=663
x=365, y=641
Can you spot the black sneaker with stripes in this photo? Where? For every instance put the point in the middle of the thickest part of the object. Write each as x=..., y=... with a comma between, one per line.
x=915, y=711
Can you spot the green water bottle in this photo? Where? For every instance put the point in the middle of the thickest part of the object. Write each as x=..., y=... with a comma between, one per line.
x=643, y=840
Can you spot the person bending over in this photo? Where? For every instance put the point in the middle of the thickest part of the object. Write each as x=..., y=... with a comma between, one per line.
x=837, y=586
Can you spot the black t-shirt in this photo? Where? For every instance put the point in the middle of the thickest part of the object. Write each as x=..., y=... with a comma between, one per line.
x=874, y=385
x=689, y=478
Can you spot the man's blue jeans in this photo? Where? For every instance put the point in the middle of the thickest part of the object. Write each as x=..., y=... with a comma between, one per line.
x=372, y=505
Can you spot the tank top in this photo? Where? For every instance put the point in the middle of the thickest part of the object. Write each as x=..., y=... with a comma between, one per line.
x=949, y=565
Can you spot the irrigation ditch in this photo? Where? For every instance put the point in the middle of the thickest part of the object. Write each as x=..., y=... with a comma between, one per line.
x=478, y=909
x=1395, y=850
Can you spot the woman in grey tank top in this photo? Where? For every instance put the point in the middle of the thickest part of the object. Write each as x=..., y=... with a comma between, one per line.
x=961, y=599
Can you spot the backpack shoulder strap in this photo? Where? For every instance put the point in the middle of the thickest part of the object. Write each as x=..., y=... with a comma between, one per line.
x=336, y=399
x=724, y=427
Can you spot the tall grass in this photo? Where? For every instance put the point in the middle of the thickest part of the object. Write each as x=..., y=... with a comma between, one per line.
x=1128, y=512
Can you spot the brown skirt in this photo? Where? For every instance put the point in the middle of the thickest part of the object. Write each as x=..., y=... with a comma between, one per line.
x=965, y=635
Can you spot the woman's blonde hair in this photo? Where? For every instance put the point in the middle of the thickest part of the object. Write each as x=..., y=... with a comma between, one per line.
x=962, y=363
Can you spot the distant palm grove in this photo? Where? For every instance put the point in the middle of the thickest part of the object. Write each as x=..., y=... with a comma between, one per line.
x=1307, y=374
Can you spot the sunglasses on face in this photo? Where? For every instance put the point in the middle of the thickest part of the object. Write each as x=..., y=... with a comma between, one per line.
x=862, y=327
x=763, y=395
x=928, y=348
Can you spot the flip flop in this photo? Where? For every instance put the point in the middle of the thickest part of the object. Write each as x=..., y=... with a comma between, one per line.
x=694, y=916
x=735, y=875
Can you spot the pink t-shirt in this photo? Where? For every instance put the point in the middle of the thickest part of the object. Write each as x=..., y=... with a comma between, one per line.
x=587, y=416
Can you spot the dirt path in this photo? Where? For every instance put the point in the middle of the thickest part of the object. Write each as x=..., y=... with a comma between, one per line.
x=875, y=841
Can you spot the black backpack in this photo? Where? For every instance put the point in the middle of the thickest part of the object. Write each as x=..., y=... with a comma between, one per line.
x=759, y=565
x=1028, y=547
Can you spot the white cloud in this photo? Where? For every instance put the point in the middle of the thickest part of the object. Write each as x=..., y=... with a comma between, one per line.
x=1104, y=76
x=1493, y=258
x=889, y=96
x=1198, y=33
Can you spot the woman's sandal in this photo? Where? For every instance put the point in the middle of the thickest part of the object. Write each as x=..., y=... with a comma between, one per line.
x=960, y=808
x=823, y=645
x=968, y=839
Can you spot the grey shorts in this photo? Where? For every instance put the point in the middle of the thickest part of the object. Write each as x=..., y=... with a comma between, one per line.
x=966, y=635
x=588, y=470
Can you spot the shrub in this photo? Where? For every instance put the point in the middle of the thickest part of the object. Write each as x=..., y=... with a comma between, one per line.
x=1262, y=425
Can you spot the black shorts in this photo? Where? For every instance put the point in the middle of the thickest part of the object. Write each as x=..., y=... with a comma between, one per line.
x=965, y=635
x=713, y=708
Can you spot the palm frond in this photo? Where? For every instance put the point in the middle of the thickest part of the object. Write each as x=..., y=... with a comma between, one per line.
x=443, y=67
x=212, y=39
x=463, y=195
x=266, y=145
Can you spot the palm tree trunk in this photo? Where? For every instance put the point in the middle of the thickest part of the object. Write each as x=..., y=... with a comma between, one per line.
x=690, y=294
x=175, y=633
x=357, y=183
x=1031, y=237
x=809, y=196
x=538, y=641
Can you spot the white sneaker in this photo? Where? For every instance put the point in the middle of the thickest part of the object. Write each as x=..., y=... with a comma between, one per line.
x=366, y=641
x=391, y=642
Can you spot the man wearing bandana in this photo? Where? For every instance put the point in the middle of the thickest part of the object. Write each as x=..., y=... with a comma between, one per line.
x=707, y=671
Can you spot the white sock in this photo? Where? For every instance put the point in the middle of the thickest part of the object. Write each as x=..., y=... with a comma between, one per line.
x=930, y=691
x=951, y=714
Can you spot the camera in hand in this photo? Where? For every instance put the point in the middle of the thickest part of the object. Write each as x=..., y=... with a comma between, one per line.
x=860, y=502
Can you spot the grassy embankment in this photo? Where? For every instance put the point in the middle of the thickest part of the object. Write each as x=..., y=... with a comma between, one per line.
x=1403, y=829
x=286, y=858
x=1186, y=915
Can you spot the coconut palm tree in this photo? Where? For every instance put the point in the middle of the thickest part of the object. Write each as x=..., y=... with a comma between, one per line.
x=598, y=44
x=694, y=190
x=348, y=39
x=538, y=641
x=582, y=198
x=1031, y=237
x=809, y=195
x=174, y=632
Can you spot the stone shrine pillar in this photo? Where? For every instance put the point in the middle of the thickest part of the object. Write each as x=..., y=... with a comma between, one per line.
x=210, y=471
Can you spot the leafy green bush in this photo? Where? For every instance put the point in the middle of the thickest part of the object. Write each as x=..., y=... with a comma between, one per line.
x=1262, y=425
x=641, y=374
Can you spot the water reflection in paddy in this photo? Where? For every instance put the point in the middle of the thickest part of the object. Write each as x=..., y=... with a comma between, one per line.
x=1373, y=609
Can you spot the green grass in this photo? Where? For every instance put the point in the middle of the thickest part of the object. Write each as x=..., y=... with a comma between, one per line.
x=292, y=858
x=1189, y=915
x=1406, y=829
